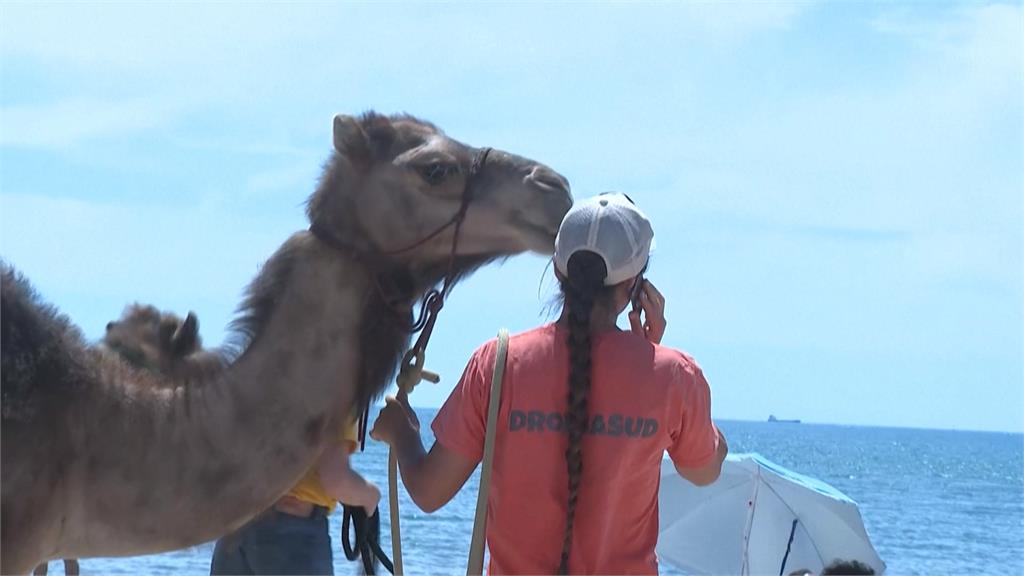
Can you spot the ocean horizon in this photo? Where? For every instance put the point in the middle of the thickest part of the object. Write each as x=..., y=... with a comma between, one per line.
x=933, y=501
x=785, y=420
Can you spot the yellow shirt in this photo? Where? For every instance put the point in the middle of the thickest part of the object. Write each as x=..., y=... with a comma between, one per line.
x=309, y=489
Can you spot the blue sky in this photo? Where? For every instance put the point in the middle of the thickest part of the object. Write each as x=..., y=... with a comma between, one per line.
x=836, y=188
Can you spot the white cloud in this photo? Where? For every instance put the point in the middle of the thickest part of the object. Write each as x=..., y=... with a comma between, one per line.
x=152, y=36
x=117, y=65
x=933, y=147
x=241, y=49
x=77, y=251
x=161, y=34
x=970, y=58
x=125, y=64
x=736, y=21
x=68, y=123
x=302, y=175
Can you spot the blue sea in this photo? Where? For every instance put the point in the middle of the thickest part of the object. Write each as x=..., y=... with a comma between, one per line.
x=934, y=502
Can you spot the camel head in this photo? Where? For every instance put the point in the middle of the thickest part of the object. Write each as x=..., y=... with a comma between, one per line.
x=392, y=181
x=151, y=339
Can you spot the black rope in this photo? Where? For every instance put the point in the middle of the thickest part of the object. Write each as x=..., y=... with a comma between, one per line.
x=364, y=420
x=367, y=543
x=792, y=533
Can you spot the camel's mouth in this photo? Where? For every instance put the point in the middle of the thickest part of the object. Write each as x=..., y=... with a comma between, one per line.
x=539, y=224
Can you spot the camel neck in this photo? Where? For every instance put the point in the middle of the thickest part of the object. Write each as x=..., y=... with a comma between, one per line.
x=232, y=446
x=394, y=283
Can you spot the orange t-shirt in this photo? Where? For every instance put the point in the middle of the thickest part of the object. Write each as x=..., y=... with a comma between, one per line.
x=644, y=399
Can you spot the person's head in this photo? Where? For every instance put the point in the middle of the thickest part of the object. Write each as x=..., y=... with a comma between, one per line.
x=848, y=567
x=602, y=248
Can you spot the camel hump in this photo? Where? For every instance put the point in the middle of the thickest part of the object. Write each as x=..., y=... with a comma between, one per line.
x=41, y=348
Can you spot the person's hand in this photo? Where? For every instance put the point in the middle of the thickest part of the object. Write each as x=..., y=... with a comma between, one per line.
x=365, y=496
x=396, y=418
x=652, y=303
x=372, y=500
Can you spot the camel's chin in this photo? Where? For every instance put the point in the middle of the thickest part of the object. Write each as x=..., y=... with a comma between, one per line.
x=543, y=244
x=536, y=238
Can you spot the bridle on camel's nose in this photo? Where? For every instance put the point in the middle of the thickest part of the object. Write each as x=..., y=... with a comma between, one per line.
x=467, y=195
x=411, y=371
x=433, y=301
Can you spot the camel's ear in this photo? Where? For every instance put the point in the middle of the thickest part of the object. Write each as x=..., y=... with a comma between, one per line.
x=166, y=329
x=348, y=135
x=186, y=337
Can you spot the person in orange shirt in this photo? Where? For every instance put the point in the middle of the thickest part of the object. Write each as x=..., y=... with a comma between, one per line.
x=292, y=536
x=586, y=415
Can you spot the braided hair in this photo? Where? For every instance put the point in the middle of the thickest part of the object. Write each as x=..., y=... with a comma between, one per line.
x=583, y=286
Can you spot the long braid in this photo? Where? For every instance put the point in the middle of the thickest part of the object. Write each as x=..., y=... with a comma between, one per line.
x=585, y=283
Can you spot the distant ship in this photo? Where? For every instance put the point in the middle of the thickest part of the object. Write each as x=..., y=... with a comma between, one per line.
x=772, y=418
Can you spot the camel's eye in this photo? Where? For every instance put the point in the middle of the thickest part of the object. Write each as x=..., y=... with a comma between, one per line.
x=437, y=172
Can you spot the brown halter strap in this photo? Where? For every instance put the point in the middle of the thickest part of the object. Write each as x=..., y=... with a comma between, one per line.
x=433, y=300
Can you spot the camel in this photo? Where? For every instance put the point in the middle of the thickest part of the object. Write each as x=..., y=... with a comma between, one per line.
x=163, y=343
x=97, y=461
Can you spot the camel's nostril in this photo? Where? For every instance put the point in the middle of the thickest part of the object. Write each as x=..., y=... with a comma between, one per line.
x=548, y=178
x=110, y=326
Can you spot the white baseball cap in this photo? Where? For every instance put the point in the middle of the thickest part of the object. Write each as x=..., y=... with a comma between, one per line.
x=612, y=227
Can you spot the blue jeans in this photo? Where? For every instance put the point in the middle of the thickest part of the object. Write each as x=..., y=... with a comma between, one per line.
x=277, y=543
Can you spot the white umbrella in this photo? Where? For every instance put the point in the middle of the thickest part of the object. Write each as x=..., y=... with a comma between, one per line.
x=758, y=518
